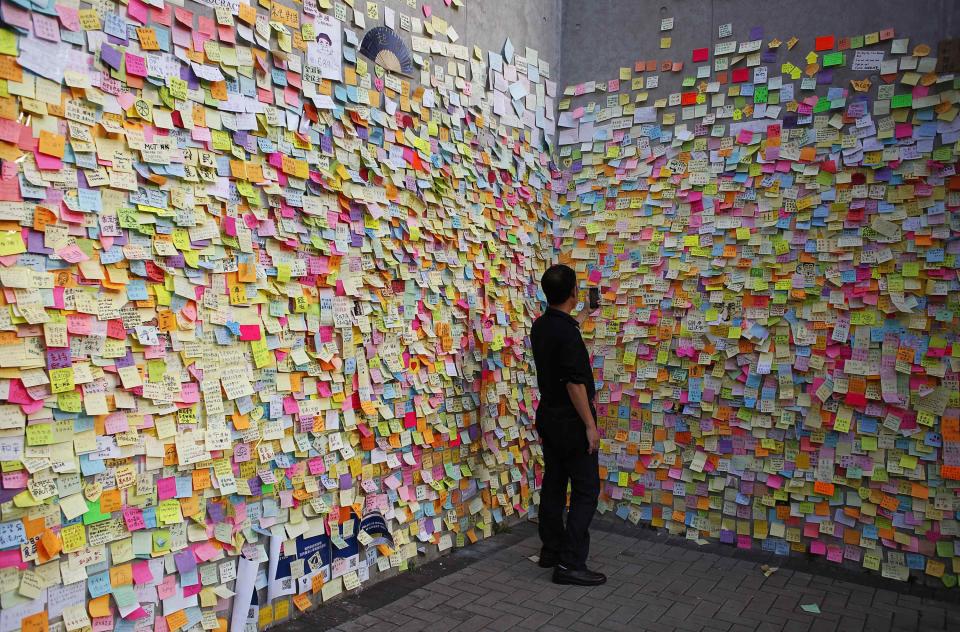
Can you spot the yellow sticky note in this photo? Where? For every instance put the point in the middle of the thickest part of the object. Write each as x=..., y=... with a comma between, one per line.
x=908, y=462
x=8, y=43
x=168, y=512
x=11, y=243
x=74, y=538
x=39, y=434
x=61, y=380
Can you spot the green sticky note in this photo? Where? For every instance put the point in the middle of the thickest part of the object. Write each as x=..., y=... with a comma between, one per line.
x=156, y=369
x=8, y=43
x=902, y=101
x=94, y=514
x=856, y=41
x=760, y=94
x=833, y=59
x=949, y=580
x=810, y=607
x=689, y=81
x=823, y=104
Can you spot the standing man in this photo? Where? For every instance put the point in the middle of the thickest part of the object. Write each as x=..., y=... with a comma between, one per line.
x=566, y=421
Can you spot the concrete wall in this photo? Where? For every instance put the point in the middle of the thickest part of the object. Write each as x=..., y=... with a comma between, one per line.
x=600, y=36
x=533, y=23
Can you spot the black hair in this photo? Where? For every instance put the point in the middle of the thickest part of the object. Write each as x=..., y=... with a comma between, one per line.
x=558, y=283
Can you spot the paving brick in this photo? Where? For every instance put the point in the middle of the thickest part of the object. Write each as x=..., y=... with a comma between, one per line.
x=653, y=586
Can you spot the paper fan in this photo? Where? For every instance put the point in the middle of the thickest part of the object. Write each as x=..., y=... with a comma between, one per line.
x=383, y=46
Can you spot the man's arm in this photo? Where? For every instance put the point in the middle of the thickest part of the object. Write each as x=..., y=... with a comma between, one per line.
x=578, y=395
x=586, y=313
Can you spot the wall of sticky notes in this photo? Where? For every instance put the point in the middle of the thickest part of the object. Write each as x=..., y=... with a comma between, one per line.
x=263, y=300
x=772, y=213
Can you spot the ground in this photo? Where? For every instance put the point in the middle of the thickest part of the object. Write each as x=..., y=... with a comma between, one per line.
x=655, y=583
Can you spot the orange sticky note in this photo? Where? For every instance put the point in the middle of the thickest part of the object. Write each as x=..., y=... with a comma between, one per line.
x=35, y=622
x=176, y=620
x=218, y=90
x=99, y=607
x=148, y=38
x=825, y=489
x=247, y=13
x=52, y=144
x=240, y=422
x=50, y=543
x=110, y=501
x=190, y=506
x=302, y=602
x=42, y=218
x=121, y=575
x=201, y=479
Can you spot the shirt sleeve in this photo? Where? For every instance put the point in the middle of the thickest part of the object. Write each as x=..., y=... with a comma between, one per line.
x=573, y=360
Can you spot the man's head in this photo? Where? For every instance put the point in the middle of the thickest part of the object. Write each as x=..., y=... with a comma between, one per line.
x=559, y=284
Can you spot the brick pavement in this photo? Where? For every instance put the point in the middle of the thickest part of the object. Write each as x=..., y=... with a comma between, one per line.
x=653, y=585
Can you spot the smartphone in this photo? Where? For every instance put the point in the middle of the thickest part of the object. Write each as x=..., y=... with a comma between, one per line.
x=594, y=298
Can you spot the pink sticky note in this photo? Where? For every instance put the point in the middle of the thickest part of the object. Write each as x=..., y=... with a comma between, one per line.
x=249, y=332
x=69, y=17
x=126, y=100
x=166, y=488
x=11, y=558
x=73, y=254
x=133, y=517
x=427, y=11
x=138, y=11
x=48, y=163
x=136, y=65
x=168, y=587
x=835, y=554
x=46, y=27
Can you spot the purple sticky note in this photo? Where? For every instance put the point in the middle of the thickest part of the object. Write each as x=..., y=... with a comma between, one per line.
x=110, y=56
x=185, y=561
x=58, y=359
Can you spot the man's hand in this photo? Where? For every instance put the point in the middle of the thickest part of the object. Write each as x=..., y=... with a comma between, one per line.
x=593, y=439
x=578, y=396
x=586, y=313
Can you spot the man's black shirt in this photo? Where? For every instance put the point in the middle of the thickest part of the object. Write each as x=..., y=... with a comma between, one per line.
x=561, y=357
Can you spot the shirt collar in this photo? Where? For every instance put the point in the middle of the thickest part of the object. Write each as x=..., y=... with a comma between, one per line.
x=562, y=314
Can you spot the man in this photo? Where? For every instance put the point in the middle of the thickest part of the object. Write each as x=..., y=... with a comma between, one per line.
x=566, y=421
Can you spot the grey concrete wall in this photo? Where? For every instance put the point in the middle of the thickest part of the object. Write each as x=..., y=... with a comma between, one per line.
x=600, y=36
x=533, y=23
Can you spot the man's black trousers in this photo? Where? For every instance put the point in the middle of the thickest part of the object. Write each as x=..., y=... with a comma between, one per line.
x=566, y=460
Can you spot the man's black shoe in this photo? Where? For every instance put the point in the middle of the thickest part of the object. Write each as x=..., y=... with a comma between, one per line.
x=548, y=560
x=577, y=577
